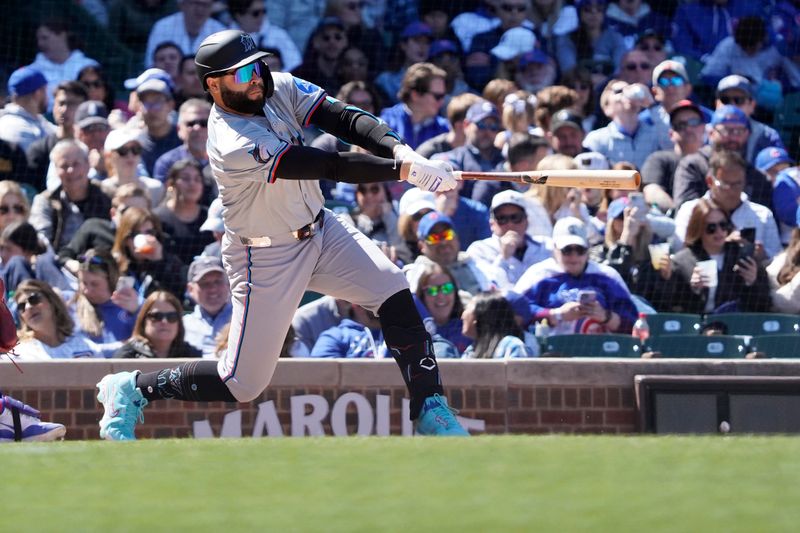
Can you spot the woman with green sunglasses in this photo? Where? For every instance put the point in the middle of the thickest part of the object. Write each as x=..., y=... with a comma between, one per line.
x=438, y=293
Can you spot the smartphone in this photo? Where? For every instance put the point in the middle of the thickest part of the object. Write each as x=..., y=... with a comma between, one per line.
x=587, y=296
x=126, y=282
x=636, y=199
x=748, y=234
x=747, y=245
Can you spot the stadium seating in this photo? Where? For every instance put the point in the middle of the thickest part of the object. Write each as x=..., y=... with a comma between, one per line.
x=609, y=345
x=673, y=324
x=787, y=119
x=777, y=346
x=758, y=323
x=699, y=346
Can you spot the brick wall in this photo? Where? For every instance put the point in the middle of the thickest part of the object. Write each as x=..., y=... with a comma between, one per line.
x=520, y=396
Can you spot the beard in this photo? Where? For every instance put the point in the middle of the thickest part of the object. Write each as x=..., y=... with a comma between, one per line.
x=241, y=103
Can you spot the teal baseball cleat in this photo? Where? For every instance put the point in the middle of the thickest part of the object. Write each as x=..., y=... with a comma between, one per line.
x=437, y=418
x=122, y=403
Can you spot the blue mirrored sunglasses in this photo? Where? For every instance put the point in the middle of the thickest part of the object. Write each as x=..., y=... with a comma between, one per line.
x=676, y=81
x=245, y=74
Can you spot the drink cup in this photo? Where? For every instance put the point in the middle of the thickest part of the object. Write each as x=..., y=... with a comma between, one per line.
x=141, y=244
x=657, y=251
x=708, y=269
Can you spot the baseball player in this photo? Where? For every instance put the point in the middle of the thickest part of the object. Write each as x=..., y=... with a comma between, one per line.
x=280, y=241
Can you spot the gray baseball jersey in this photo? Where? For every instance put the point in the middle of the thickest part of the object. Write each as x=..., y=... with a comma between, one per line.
x=268, y=280
x=244, y=151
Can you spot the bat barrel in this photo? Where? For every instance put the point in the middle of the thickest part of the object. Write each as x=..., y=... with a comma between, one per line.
x=589, y=179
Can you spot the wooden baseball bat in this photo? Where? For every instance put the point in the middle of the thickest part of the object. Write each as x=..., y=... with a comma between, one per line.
x=589, y=179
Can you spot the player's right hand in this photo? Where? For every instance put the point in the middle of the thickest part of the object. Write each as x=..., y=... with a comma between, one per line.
x=434, y=176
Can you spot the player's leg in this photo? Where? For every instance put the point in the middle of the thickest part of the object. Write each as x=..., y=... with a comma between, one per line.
x=263, y=280
x=353, y=268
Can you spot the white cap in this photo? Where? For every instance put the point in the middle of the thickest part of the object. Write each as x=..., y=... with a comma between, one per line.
x=214, y=220
x=514, y=42
x=569, y=230
x=592, y=161
x=415, y=199
x=120, y=137
x=508, y=196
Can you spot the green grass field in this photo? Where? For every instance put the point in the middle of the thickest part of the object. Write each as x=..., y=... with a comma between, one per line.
x=508, y=483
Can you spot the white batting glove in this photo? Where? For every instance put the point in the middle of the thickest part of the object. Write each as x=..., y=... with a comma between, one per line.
x=434, y=176
x=403, y=152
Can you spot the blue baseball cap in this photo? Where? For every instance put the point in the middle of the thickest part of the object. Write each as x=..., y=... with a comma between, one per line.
x=730, y=115
x=416, y=29
x=771, y=156
x=481, y=111
x=442, y=46
x=427, y=223
x=734, y=81
x=534, y=56
x=24, y=81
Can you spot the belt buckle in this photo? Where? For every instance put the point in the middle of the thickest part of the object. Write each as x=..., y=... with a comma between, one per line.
x=306, y=232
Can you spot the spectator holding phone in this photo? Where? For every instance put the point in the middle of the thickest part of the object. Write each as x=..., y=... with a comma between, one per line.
x=726, y=179
x=104, y=309
x=575, y=294
x=714, y=272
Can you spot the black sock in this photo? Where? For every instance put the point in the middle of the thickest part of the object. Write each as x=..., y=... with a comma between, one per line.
x=197, y=381
x=412, y=348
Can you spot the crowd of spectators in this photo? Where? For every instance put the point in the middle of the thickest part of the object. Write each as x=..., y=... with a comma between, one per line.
x=110, y=221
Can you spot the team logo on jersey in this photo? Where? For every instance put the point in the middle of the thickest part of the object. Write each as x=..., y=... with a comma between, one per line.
x=305, y=86
x=260, y=153
x=247, y=42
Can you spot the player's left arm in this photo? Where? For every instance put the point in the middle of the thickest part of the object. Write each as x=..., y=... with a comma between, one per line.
x=355, y=126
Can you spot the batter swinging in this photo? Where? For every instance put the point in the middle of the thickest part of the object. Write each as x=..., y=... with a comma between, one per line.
x=280, y=241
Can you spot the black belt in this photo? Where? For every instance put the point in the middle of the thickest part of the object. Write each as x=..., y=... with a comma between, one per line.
x=308, y=231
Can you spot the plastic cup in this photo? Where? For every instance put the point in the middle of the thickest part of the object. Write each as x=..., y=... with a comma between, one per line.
x=708, y=269
x=657, y=251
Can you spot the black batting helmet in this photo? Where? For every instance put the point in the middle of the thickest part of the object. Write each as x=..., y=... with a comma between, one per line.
x=223, y=51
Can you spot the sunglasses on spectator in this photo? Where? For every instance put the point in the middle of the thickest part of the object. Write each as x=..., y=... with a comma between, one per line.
x=488, y=126
x=634, y=66
x=154, y=105
x=712, y=227
x=125, y=150
x=35, y=298
x=94, y=260
x=688, y=123
x=735, y=100
x=202, y=122
x=435, y=238
x=514, y=218
x=157, y=316
x=675, y=81
x=573, y=249
x=650, y=47
x=328, y=37
x=510, y=8
x=444, y=288
x=145, y=232
x=730, y=132
x=17, y=208
x=95, y=84
x=728, y=186
x=255, y=13
x=374, y=189
x=438, y=96
x=246, y=73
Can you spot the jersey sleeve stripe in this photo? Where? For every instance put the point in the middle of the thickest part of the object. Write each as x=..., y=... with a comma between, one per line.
x=275, y=160
x=307, y=118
